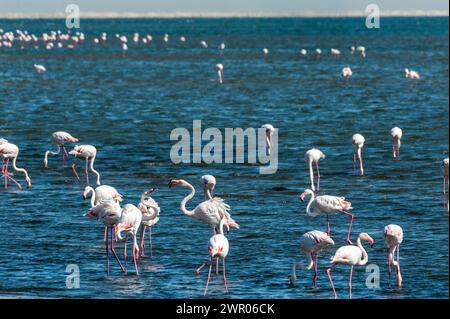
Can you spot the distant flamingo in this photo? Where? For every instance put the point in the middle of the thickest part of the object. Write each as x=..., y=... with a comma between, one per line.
x=109, y=214
x=358, y=143
x=203, y=44
x=9, y=151
x=269, y=133
x=130, y=221
x=328, y=205
x=150, y=216
x=318, y=52
x=361, y=50
x=220, y=72
x=102, y=193
x=314, y=155
x=393, y=237
x=303, y=52
x=311, y=243
x=335, y=52
x=411, y=74
x=222, y=46
x=87, y=152
x=40, y=69
x=265, y=51
x=346, y=73
x=59, y=139
x=209, y=183
x=350, y=255
x=210, y=212
x=218, y=248
x=396, y=134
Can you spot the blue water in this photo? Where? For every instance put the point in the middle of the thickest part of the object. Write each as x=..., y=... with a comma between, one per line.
x=127, y=104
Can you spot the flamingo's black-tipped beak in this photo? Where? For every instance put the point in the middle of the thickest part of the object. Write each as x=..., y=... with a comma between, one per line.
x=169, y=184
x=84, y=197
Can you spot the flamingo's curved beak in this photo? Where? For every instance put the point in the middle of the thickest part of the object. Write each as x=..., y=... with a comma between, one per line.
x=151, y=190
x=302, y=197
x=84, y=197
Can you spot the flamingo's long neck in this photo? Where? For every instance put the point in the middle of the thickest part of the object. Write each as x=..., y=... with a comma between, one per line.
x=93, y=197
x=208, y=194
x=183, y=203
x=222, y=223
x=92, y=169
x=308, y=207
x=18, y=169
x=56, y=152
x=146, y=208
x=365, y=257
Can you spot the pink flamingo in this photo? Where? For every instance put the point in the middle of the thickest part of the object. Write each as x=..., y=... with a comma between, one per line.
x=358, y=143
x=10, y=151
x=102, y=193
x=393, y=237
x=220, y=72
x=87, y=152
x=59, y=139
x=396, y=134
x=109, y=214
x=327, y=204
x=350, y=255
x=218, y=248
x=269, y=133
x=314, y=155
x=311, y=243
x=150, y=216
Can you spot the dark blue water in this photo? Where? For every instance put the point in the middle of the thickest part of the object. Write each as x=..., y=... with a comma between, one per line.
x=127, y=104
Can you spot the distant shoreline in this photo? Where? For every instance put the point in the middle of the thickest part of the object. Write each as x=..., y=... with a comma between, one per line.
x=161, y=15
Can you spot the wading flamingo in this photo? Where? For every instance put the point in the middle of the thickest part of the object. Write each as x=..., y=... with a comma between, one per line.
x=335, y=52
x=59, y=139
x=396, y=134
x=328, y=205
x=350, y=255
x=208, y=184
x=9, y=151
x=130, y=221
x=87, y=152
x=109, y=214
x=346, y=73
x=210, y=212
x=265, y=51
x=218, y=248
x=314, y=155
x=358, y=143
x=102, y=193
x=411, y=74
x=40, y=69
x=150, y=216
x=311, y=243
x=204, y=44
x=361, y=50
x=393, y=237
x=269, y=133
x=220, y=72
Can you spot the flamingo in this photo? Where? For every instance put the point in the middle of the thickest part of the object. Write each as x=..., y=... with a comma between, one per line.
x=9, y=151
x=396, y=134
x=445, y=186
x=269, y=133
x=218, y=248
x=358, y=143
x=40, y=69
x=222, y=46
x=182, y=39
x=265, y=51
x=335, y=52
x=352, y=50
x=150, y=216
x=314, y=155
x=303, y=52
x=393, y=237
x=87, y=152
x=219, y=68
x=109, y=214
x=350, y=255
x=209, y=182
x=59, y=139
x=318, y=52
x=210, y=212
x=361, y=50
x=346, y=72
x=204, y=44
x=130, y=221
x=311, y=243
x=411, y=74
x=327, y=204
x=102, y=193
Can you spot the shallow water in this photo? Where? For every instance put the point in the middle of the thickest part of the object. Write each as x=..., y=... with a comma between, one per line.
x=127, y=104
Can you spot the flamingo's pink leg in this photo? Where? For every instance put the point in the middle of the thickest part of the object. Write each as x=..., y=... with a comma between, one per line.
x=106, y=234
x=107, y=250
x=217, y=266
x=350, y=281
x=328, y=225
x=209, y=276
x=314, y=258
x=114, y=251
x=87, y=172
x=74, y=169
x=394, y=152
x=349, y=226
x=224, y=275
x=399, y=275
x=65, y=151
x=150, y=240
x=331, y=280
x=389, y=266
x=200, y=268
x=318, y=176
x=125, y=252
x=6, y=178
x=354, y=161
x=135, y=250
x=15, y=182
x=10, y=178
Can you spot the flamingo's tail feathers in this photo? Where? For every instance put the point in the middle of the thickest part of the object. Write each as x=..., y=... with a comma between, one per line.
x=232, y=223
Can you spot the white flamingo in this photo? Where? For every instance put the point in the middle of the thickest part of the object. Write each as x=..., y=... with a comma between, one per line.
x=219, y=68
x=328, y=205
x=361, y=50
x=88, y=152
x=358, y=143
x=150, y=216
x=218, y=248
x=411, y=74
x=9, y=151
x=393, y=237
x=303, y=52
x=208, y=183
x=265, y=51
x=346, y=72
x=102, y=193
x=314, y=155
x=269, y=133
x=59, y=139
x=311, y=243
x=350, y=255
x=396, y=134
x=335, y=52
x=40, y=69
x=204, y=44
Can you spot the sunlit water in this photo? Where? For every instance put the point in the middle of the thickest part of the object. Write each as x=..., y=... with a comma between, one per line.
x=127, y=104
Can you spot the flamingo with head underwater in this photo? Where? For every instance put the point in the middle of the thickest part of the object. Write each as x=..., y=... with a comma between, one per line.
x=396, y=134
x=59, y=139
x=393, y=237
x=358, y=143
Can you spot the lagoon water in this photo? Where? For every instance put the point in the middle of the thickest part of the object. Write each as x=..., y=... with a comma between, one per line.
x=127, y=105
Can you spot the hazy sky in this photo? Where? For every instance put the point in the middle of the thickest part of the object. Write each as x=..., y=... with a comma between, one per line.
x=320, y=6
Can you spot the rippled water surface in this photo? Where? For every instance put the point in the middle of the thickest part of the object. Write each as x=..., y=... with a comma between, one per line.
x=127, y=104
